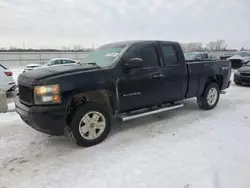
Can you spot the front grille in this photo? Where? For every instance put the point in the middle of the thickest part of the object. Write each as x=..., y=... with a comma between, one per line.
x=236, y=63
x=245, y=74
x=25, y=94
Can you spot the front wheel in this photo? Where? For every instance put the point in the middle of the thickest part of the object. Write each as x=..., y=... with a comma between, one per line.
x=210, y=97
x=90, y=124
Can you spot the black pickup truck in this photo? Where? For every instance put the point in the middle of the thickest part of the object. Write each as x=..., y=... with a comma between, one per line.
x=125, y=80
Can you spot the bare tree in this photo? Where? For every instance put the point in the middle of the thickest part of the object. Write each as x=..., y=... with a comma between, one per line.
x=77, y=48
x=211, y=46
x=13, y=48
x=66, y=48
x=3, y=49
x=192, y=47
x=217, y=45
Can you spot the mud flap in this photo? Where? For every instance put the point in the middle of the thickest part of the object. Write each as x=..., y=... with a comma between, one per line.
x=68, y=133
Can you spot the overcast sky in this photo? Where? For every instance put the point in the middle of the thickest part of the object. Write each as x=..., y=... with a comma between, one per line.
x=55, y=23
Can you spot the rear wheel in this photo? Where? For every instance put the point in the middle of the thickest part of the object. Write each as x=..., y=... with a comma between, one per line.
x=210, y=97
x=90, y=124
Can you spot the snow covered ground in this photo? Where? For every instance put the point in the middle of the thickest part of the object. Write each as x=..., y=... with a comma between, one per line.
x=187, y=147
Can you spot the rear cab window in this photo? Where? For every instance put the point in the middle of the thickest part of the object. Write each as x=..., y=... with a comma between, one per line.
x=169, y=54
x=146, y=52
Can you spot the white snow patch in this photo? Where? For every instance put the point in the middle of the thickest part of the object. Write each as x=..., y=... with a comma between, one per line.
x=11, y=106
x=8, y=117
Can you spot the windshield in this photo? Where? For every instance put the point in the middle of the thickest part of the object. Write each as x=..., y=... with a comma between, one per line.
x=248, y=64
x=242, y=54
x=189, y=56
x=47, y=62
x=104, y=56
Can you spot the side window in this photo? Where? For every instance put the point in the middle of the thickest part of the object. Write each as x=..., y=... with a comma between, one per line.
x=170, y=55
x=52, y=63
x=64, y=61
x=57, y=62
x=147, y=53
x=70, y=62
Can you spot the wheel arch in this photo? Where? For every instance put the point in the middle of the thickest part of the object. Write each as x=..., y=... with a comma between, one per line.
x=203, y=99
x=103, y=97
x=218, y=79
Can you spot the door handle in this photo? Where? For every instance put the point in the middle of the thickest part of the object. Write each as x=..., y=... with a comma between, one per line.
x=158, y=76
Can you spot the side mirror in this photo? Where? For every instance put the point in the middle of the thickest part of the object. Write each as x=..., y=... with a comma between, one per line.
x=134, y=63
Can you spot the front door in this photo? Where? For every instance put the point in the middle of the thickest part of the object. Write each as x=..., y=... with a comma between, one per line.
x=142, y=87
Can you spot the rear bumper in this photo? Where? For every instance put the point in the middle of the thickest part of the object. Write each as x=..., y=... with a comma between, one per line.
x=223, y=91
x=49, y=120
x=226, y=85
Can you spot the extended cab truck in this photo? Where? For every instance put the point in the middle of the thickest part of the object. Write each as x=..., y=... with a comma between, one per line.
x=125, y=80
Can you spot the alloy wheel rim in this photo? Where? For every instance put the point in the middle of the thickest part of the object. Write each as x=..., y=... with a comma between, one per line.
x=92, y=125
x=212, y=96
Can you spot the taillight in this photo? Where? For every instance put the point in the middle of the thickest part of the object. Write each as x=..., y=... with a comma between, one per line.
x=8, y=73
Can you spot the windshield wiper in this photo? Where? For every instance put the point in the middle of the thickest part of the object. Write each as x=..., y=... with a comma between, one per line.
x=92, y=63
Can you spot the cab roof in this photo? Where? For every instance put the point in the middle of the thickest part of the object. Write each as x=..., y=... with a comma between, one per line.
x=128, y=43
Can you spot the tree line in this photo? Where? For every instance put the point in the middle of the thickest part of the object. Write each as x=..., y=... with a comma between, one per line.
x=217, y=45
x=76, y=48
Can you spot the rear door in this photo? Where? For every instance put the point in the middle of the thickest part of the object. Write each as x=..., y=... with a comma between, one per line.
x=142, y=87
x=175, y=72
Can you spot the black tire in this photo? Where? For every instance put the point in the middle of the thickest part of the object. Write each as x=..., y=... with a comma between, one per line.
x=203, y=99
x=79, y=113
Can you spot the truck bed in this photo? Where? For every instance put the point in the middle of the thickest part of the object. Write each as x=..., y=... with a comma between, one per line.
x=199, y=71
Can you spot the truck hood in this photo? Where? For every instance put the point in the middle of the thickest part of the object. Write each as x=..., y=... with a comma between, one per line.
x=36, y=75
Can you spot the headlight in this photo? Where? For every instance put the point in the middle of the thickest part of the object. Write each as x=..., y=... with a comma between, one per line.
x=48, y=94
